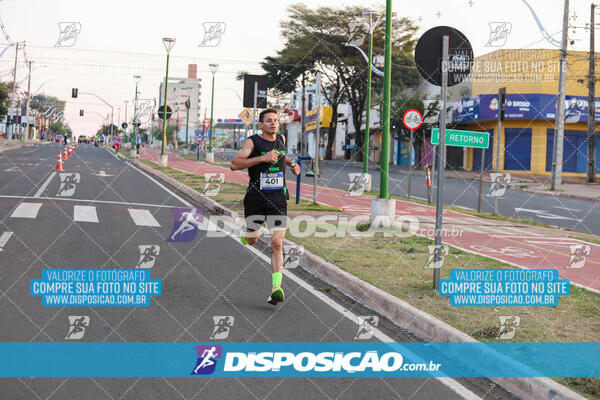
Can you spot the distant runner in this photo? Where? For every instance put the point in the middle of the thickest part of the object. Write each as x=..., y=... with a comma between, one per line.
x=117, y=143
x=265, y=157
x=138, y=143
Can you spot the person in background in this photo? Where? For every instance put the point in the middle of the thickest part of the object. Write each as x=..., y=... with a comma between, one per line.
x=117, y=143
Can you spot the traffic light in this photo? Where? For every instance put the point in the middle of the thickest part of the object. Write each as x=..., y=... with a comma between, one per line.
x=187, y=104
x=502, y=102
x=74, y=93
x=81, y=113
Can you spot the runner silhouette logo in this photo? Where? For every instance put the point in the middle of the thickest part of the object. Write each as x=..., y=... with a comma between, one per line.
x=366, y=326
x=148, y=254
x=77, y=325
x=579, y=254
x=207, y=359
x=223, y=324
x=187, y=221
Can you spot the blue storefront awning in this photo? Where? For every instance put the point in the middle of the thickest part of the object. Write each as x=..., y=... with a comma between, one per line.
x=522, y=106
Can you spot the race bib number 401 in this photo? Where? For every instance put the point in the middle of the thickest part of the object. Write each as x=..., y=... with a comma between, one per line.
x=271, y=180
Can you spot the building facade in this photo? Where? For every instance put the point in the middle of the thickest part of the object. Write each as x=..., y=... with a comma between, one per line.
x=178, y=91
x=527, y=134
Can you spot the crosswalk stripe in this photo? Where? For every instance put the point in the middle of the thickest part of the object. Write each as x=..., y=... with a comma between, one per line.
x=85, y=214
x=142, y=217
x=26, y=210
x=4, y=238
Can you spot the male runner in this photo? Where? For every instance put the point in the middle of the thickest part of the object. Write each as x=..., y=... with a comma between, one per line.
x=265, y=157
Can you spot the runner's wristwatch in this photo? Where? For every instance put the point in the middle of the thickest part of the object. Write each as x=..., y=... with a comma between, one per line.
x=292, y=162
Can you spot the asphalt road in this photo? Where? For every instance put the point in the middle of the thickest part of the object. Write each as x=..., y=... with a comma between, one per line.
x=99, y=221
x=576, y=214
x=580, y=215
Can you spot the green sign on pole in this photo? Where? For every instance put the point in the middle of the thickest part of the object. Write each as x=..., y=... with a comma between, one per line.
x=454, y=137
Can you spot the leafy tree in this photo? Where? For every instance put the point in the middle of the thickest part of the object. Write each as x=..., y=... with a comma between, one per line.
x=157, y=133
x=57, y=128
x=314, y=43
x=405, y=101
x=4, y=97
x=42, y=102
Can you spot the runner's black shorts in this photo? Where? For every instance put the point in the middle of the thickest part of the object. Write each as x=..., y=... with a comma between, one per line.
x=270, y=207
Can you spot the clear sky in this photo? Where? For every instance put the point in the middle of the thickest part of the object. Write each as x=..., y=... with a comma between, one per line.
x=121, y=38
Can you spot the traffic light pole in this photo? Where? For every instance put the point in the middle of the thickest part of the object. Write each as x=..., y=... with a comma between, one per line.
x=212, y=100
x=441, y=165
x=368, y=106
x=132, y=151
x=12, y=97
x=112, y=110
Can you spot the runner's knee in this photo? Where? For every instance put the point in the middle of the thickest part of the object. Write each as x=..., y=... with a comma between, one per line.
x=277, y=242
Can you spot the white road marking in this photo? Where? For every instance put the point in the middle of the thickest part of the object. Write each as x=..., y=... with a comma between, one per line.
x=566, y=208
x=553, y=243
x=143, y=217
x=12, y=169
x=159, y=184
x=449, y=382
x=85, y=214
x=102, y=174
x=526, y=232
x=87, y=201
x=44, y=185
x=4, y=238
x=544, y=214
x=26, y=210
x=513, y=230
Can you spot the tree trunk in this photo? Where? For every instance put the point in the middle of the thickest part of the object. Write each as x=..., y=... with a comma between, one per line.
x=332, y=132
x=358, y=133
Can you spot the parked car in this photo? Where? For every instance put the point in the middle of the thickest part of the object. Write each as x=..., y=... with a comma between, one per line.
x=60, y=139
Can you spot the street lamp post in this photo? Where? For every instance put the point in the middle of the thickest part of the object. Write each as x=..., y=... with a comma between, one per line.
x=12, y=97
x=125, y=129
x=112, y=110
x=132, y=152
x=368, y=16
x=383, y=209
x=210, y=157
x=169, y=43
x=187, y=124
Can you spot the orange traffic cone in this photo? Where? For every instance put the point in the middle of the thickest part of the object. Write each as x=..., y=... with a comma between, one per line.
x=65, y=156
x=70, y=150
x=76, y=145
x=59, y=162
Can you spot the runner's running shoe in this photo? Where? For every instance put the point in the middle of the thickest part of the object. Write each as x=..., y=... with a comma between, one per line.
x=276, y=296
x=243, y=236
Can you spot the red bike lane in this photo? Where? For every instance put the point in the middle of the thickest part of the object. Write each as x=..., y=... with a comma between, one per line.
x=521, y=245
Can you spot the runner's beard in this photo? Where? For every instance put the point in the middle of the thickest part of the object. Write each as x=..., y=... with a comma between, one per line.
x=267, y=132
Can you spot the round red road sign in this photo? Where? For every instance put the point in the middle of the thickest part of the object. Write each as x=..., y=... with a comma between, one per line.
x=412, y=119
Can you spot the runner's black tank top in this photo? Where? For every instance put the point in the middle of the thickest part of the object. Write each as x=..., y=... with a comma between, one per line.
x=263, y=146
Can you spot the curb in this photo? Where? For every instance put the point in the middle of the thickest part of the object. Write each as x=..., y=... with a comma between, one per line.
x=10, y=147
x=560, y=194
x=396, y=310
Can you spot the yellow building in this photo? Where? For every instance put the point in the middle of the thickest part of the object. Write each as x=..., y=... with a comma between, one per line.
x=530, y=77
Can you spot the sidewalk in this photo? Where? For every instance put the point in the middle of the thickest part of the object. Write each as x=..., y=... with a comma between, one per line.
x=521, y=245
x=14, y=144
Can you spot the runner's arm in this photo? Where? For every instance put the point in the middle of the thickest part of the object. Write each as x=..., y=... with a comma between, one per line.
x=241, y=160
